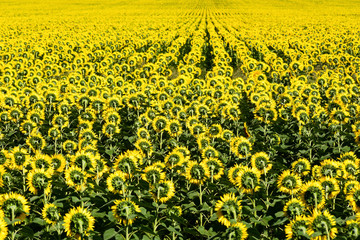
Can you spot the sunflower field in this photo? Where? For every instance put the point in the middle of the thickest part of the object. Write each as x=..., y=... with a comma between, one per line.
x=204, y=119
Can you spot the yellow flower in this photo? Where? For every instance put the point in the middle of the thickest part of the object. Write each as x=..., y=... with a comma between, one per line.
x=323, y=223
x=330, y=186
x=289, y=182
x=215, y=166
x=153, y=174
x=116, y=182
x=174, y=128
x=241, y=147
x=197, y=172
x=20, y=158
x=301, y=166
x=39, y=180
x=75, y=177
x=299, y=224
x=50, y=214
x=78, y=222
x=293, y=208
x=3, y=227
x=313, y=195
x=15, y=206
x=228, y=209
x=58, y=162
x=125, y=211
x=35, y=141
x=248, y=180
x=354, y=198
x=163, y=191
x=261, y=162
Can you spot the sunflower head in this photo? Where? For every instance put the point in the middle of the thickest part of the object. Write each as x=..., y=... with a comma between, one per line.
x=293, y=208
x=125, y=211
x=261, y=162
x=116, y=182
x=297, y=228
x=15, y=206
x=163, y=191
x=322, y=223
x=289, y=182
x=78, y=222
x=197, y=172
x=313, y=195
x=228, y=209
x=50, y=214
x=248, y=180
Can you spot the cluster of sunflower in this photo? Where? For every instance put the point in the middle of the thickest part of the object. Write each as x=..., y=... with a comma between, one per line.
x=206, y=123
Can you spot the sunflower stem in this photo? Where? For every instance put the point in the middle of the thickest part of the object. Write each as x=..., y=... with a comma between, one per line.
x=200, y=199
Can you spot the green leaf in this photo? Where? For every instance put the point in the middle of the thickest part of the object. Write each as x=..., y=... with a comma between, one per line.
x=110, y=233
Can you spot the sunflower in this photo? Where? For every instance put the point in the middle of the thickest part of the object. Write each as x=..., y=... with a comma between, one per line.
x=353, y=229
x=237, y=231
x=125, y=211
x=58, y=162
x=293, y=208
x=78, y=222
x=60, y=120
x=109, y=129
x=350, y=186
x=69, y=146
x=75, y=177
x=3, y=227
x=322, y=223
x=35, y=141
x=215, y=131
x=160, y=123
x=54, y=133
x=41, y=161
x=19, y=158
x=153, y=174
x=203, y=141
x=144, y=145
x=241, y=147
x=330, y=186
x=209, y=152
x=297, y=228
x=174, y=158
x=100, y=166
x=163, y=191
x=301, y=167
x=111, y=116
x=330, y=168
x=228, y=209
x=248, y=180
x=5, y=157
x=227, y=135
x=215, y=166
x=39, y=180
x=234, y=172
x=51, y=214
x=350, y=169
x=174, y=128
x=84, y=160
x=313, y=195
x=15, y=206
x=27, y=127
x=197, y=129
x=354, y=198
x=116, y=182
x=261, y=162
x=197, y=172
x=127, y=163
x=289, y=182
x=143, y=133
